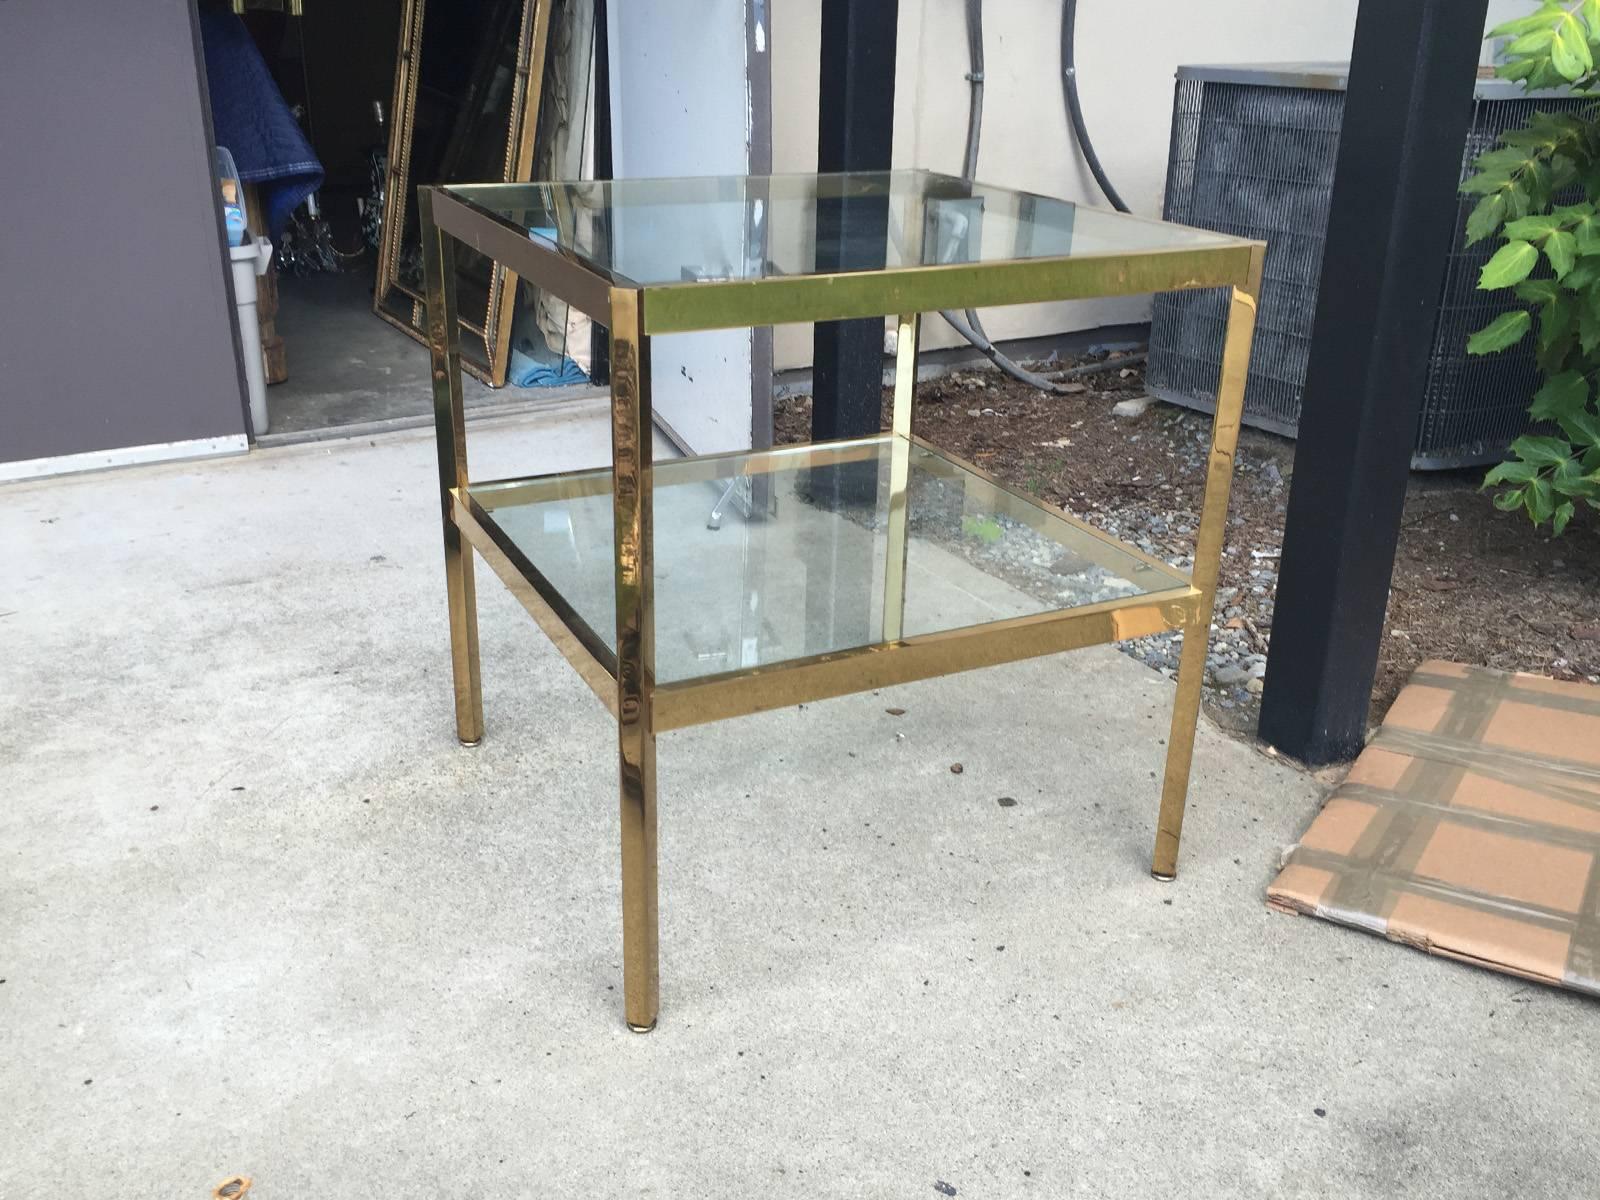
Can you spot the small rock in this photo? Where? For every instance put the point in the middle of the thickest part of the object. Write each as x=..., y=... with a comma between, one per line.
x=1007, y=802
x=1255, y=685
x=1230, y=676
x=1133, y=407
x=895, y=712
x=956, y=768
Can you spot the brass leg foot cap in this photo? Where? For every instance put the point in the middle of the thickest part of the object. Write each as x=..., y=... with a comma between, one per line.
x=1162, y=876
x=641, y=1028
x=477, y=741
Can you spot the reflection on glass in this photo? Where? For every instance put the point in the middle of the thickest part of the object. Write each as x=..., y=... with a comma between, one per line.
x=813, y=223
x=808, y=576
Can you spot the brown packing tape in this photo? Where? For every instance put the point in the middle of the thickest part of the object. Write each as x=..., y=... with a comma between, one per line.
x=1525, y=689
x=1532, y=831
x=1380, y=871
x=1485, y=790
x=1583, y=951
x=1395, y=884
x=1536, y=771
x=1397, y=837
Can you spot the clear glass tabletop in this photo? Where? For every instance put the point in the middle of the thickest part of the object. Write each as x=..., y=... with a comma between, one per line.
x=797, y=564
x=650, y=232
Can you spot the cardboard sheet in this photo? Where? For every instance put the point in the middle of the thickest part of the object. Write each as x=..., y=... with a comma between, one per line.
x=1469, y=827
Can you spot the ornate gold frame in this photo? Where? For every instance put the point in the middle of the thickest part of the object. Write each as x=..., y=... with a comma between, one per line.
x=493, y=334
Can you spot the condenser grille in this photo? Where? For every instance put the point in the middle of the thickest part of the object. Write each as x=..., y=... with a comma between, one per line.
x=1258, y=161
x=1473, y=406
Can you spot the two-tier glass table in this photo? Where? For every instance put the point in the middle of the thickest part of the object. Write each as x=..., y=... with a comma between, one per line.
x=689, y=590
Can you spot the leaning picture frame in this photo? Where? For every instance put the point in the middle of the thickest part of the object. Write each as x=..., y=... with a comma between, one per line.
x=468, y=79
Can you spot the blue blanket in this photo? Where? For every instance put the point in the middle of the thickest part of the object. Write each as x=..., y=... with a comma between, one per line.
x=536, y=367
x=252, y=120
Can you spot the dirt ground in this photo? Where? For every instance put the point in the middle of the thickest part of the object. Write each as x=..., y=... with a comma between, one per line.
x=1471, y=584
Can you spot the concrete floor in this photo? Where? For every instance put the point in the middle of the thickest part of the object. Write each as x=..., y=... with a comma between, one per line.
x=348, y=367
x=263, y=915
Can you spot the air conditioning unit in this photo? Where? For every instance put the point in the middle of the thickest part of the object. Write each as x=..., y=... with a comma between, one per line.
x=1253, y=154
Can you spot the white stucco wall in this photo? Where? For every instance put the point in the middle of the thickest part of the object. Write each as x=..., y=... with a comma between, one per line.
x=680, y=93
x=1126, y=54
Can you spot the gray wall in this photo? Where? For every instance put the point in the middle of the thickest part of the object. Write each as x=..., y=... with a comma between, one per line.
x=115, y=317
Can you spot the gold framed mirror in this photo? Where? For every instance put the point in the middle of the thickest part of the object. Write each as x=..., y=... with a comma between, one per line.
x=468, y=77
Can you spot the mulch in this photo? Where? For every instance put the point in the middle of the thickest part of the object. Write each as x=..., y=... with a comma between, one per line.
x=1471, y=584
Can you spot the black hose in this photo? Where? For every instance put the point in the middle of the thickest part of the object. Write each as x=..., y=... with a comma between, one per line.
x=980, y=342
x=969, y=161
x=972, y=328
x=1096, y=368
x=1069, y=83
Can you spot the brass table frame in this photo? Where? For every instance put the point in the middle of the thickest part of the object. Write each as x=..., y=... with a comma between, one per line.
x=624, y=680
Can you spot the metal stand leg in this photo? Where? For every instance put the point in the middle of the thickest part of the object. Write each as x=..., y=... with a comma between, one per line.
x=714, y=521
x=450, y=433
x=1207, y=561
x=636, y=739
x=905, y=384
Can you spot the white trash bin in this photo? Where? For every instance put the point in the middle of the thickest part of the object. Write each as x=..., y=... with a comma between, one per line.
x=249, y=262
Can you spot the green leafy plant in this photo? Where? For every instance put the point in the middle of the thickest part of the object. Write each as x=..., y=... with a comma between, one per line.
x=1550, y=259
x=985, y=529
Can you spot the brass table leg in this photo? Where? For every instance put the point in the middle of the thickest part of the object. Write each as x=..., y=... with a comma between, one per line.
x=894, y=567
x=1207, y=561
x=636, y=740
x=450, y=433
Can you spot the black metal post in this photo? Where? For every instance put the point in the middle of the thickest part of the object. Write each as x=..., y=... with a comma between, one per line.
x=599, y=336
x=855, y=129
x=1406, y=116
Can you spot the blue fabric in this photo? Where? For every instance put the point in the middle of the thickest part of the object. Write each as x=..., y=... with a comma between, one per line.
x=537, y=365
x=252, y=120
x=536, y=369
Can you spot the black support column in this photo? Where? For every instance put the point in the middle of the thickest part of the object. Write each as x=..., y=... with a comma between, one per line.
x=855, y=128
x=1393, y=209
x=599, y=335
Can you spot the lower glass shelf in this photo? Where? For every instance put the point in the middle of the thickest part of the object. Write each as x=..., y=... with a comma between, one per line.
x=768, y=557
